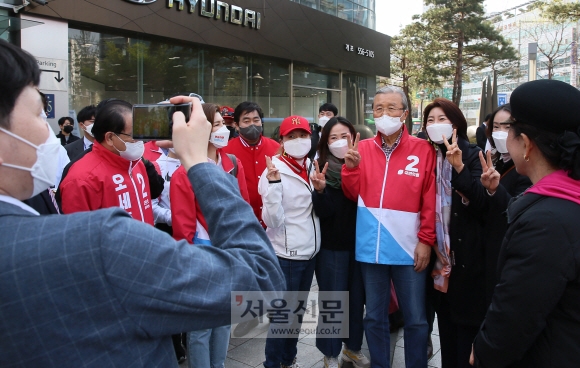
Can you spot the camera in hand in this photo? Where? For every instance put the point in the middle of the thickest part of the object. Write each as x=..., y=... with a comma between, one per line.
x=155, y=122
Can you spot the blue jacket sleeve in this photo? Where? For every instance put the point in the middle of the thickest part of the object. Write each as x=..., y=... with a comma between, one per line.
x=169, y=286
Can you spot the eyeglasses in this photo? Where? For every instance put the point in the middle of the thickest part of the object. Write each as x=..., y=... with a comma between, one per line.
x=390, y=110
x=125, y=134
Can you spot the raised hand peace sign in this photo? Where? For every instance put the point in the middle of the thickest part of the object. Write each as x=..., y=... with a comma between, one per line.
x=352, y=156
x=490, y=177
x=318, y=178
x=273, y=173
x=453, y=152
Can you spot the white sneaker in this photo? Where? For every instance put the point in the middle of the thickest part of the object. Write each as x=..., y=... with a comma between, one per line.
x=331, y=362
x=357, y=358
x=294, y=364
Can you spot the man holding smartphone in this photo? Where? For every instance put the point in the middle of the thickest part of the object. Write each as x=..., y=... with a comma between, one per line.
x=119, y=294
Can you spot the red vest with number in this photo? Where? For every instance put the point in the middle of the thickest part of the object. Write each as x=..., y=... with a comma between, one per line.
x=102, y=179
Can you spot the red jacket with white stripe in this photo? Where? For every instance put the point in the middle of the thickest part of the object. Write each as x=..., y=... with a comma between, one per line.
x=187, y=220
x=396, y=199
x=102, y=179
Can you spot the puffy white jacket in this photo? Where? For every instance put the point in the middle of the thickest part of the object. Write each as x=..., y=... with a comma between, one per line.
x=293, y=228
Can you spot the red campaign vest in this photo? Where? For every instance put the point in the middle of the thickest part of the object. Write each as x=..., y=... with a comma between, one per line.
x=102, y=179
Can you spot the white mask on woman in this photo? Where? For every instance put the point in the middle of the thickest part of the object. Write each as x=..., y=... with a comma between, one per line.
x=500, y=138
x=44, y=170
x=388, y=125
x=220, y=137
x=298, y=148
x=339, y=148
x=437, y=131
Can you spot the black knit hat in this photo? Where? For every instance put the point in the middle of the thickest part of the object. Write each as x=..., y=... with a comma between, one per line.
x=548, y=105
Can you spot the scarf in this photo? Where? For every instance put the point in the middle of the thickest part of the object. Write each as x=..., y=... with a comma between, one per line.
x=299, y=169
x=333, y=176
x=441, y=271
x=558, y=185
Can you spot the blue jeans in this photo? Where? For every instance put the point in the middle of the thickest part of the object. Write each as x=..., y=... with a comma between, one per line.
x=336, y=271
x=208, y=348
x=298, y=276
x=410, y=288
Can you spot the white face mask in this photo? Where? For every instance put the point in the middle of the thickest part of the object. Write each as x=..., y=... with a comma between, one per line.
x=44, y=170
x=437, y=131
x=500, y=138
x=298, y=148
x=388, y=125
x=323, y=120
x=339, y=148
x=133, y=151
x=89, y=130
x=220, y=137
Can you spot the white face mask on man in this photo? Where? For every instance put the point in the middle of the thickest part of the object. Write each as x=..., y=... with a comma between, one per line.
x=388, y=125
x=323, y=120
x=44, y=170
x=133, y=150
x=298, y=147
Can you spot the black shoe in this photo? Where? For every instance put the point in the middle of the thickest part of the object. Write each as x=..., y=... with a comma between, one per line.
x=243, y=328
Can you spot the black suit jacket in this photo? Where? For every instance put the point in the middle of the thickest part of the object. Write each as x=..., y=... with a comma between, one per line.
x=72, y=138
x=75, y=149
x=481, y=137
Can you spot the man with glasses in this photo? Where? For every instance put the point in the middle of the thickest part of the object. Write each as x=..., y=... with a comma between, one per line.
x=392, y=178
x=112, y=174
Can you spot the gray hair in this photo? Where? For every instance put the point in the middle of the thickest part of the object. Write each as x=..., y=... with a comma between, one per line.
x=397, y=90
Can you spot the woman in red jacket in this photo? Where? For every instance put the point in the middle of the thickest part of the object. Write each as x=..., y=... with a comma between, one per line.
x=205, y=348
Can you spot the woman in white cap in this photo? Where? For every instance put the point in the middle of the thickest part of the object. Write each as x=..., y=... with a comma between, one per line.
x=293, y=229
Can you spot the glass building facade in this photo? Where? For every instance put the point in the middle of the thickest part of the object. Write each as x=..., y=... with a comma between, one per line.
x=290, y=64
x=108, y=65
x=357, y=11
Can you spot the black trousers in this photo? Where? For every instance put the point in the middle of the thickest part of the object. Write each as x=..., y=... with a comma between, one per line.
x=456, y=340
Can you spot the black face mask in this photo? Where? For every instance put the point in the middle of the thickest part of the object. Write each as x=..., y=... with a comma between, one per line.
x=251, y=133
x=68, y=129
x=232, y=131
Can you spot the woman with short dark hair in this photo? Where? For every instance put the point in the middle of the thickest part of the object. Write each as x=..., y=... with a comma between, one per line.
x=534, y=317
x=459, y=295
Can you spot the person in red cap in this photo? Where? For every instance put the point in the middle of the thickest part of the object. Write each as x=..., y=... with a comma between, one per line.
x=293, y=228
x=228, y=116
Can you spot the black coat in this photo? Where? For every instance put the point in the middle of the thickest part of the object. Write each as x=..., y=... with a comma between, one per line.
x=466, y=291
x=337, y=216
x=480, y=137
x=534, y=317
x=511, y=185
x=63, y=141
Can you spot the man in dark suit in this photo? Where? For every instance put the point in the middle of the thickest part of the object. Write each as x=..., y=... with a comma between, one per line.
x=480, y=135
x=86, y=119
x=115, y=298
x=325, y=112
x=66, y=125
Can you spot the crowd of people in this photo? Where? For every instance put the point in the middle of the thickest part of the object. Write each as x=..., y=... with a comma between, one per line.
x=147, y=240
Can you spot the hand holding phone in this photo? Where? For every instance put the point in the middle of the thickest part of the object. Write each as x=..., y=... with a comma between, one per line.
x=190, y=137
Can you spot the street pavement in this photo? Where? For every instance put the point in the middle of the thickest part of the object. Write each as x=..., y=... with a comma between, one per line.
x=249, y=351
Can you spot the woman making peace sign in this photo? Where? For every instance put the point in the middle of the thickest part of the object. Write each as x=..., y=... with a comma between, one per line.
x=459, y=272
x=293, y=228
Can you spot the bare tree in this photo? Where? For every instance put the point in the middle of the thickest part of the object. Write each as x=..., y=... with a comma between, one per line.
x=552, y=42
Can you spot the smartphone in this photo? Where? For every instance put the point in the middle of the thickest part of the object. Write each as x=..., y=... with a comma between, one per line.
x=155, y=122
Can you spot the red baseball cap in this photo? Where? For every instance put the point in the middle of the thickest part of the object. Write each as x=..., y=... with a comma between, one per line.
x=227, y=112
x=292, y=123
